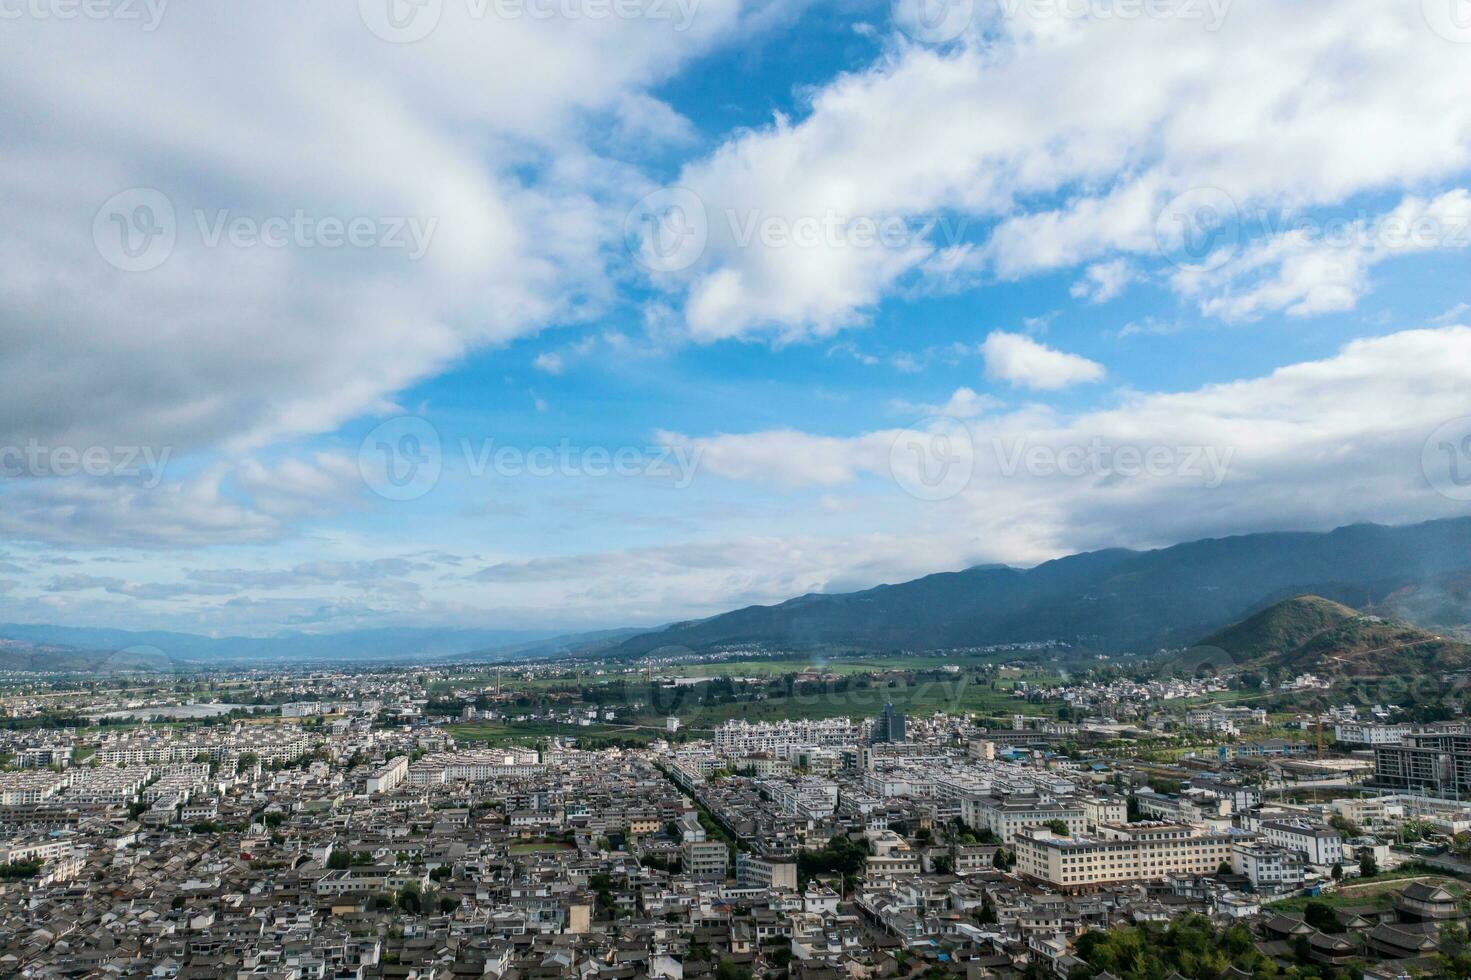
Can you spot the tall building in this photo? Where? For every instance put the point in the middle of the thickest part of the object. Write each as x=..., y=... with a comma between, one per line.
x=1439, y=762
x=889, y=725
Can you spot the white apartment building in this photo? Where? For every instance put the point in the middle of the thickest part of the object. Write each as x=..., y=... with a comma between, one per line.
x=1270, y=869
x=1119, y=853
x=24, y=788
x=779, y=738
x=1006, y=816
x=1317, y=843
x=393, y=775
x=1365, y=733
x=810, y=799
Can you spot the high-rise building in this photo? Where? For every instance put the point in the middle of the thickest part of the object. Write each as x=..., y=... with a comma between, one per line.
x=889, y=725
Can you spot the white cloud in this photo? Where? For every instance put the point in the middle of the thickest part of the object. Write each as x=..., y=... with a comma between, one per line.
x=1103, y=281
x=488, y=131
x=240, y=502
x=1311, y=267
x=549, y=362
x=1023, y=362
x=965, y=403
x=1102, y=123
x=1310, y=445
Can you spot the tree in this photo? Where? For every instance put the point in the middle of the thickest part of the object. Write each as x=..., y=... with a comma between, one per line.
x=1224, y=868
x=1058, y=827
x=731, y=970
x=1337, y=870
x=1368, y=867
x=1320, y=916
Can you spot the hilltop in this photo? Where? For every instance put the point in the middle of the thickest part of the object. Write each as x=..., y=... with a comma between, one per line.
x=1313, y=634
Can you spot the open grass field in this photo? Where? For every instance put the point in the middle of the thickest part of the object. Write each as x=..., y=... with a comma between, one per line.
x=1378, y=891
x=959, y=695
x=492, y=734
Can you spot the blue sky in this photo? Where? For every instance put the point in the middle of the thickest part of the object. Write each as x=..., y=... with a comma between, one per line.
x=850, y=292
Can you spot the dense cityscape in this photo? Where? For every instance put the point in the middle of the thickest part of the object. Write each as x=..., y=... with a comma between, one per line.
x=541, y=820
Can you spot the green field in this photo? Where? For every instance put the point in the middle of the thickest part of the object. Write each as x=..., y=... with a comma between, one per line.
x=1378, y=891
x=959, y=695
x=492, y=734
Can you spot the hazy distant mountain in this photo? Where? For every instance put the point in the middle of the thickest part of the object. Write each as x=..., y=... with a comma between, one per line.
x=568, y=645
x=1105, y=601
x=1310, y=633
x=385, y=645
x=20, y=655
x=1119, y=600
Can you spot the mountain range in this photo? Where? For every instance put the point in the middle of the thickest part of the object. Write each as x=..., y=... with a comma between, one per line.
x=1111, y=601
x=1118, y=600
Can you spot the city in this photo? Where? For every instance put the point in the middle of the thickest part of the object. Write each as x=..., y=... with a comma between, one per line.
x=735, y=489
x=535, y=820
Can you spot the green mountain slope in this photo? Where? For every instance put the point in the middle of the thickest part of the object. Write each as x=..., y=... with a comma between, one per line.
x=1112, y=601
x=1313, y=634
x=1285, y=626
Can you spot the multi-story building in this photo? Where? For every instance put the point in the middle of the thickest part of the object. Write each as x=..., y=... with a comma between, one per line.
x=777, y=871
x=742, y=738
x=1119, y=853
x=889, y=725
x=1006, y=816
x=1317, y=843
x=1367, y=733
x=392, y=775
x=1437, y=761
x=1270, y=869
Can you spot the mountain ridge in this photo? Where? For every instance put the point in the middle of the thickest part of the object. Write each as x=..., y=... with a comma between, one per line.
x=1109, y=601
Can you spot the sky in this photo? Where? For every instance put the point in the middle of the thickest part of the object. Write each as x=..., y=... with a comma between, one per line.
x=570, y=314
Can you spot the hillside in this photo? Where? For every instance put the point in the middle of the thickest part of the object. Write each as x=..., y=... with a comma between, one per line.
x=1285, y=626
x=1116, y=600
x=18, y=655
x=1313, y=634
